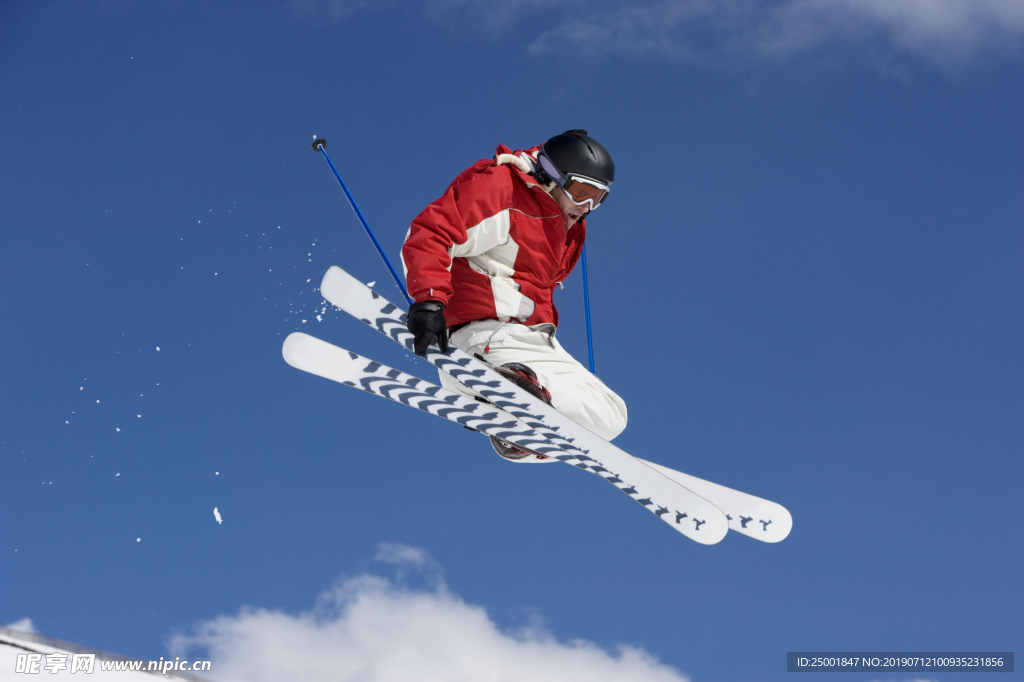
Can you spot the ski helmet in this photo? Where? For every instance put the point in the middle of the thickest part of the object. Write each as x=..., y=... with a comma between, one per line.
x=573, y=156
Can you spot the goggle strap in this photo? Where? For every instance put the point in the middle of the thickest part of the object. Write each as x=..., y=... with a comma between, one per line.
x=552, y=170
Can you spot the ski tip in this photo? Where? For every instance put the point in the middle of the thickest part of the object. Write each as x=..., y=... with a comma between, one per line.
x=294, y=336
x=335, y=282
x=292, y=345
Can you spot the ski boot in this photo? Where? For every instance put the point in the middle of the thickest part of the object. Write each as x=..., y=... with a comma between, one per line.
x=523, y=377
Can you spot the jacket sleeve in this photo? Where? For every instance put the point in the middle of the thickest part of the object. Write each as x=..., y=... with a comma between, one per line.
x=471, y=217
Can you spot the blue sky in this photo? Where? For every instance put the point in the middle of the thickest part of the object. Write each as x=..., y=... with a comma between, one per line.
x=806, y=285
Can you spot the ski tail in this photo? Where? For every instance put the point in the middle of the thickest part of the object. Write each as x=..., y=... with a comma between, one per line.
x=753, y=516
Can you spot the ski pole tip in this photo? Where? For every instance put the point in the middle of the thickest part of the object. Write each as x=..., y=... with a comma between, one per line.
x=318, y=143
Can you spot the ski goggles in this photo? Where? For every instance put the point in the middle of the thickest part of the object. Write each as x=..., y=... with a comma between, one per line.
x=580, y=190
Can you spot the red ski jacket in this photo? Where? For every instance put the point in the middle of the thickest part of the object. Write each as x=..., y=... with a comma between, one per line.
x=494, y=246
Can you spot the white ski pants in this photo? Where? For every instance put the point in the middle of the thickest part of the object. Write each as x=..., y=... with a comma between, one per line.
x=575, y=392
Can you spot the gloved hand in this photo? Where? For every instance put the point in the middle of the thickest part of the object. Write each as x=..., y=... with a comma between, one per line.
x=426, y=323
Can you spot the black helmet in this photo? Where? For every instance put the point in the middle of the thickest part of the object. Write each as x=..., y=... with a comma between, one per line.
x=576, y=153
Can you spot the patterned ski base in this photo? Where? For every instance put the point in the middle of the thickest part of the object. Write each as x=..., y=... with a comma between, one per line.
x=685, y=511
x=318, y=357
x=747, y=514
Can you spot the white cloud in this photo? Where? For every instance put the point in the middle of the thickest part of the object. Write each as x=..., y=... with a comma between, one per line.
x=369, y=628
x=24, y=625
x=402, y=555
x=946, y=32
x=941, y=31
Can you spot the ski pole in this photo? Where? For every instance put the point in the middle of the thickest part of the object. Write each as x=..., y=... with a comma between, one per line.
x=586, y=307
x=319, y=145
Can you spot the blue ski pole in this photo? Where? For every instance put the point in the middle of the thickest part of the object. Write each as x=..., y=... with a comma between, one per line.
x=319, y=145
x=586, y=306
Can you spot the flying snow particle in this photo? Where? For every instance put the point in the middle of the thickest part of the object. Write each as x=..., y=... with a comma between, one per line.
x=81, y=388
x=307, y=281
x=370, y=284
x=138, y=539
x=158, y=349
x=116, y=475
x=97, y=401
x=303, y=322
x=216, y=515
x=138, y=415
x=216, y=473
x=319, y=318
x=117, y=429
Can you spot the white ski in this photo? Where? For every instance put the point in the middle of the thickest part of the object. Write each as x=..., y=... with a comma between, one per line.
x=747, y=514
x=688, y=513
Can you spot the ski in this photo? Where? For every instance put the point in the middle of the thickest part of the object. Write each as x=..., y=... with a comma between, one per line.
x=688, y=513
x=746, y=514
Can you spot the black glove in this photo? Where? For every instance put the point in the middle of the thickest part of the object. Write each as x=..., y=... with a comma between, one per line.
x=426, y=324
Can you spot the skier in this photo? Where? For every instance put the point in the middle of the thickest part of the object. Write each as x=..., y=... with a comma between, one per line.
x=483, y=260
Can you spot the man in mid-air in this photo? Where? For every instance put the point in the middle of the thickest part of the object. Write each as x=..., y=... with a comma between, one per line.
x=482, y=263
